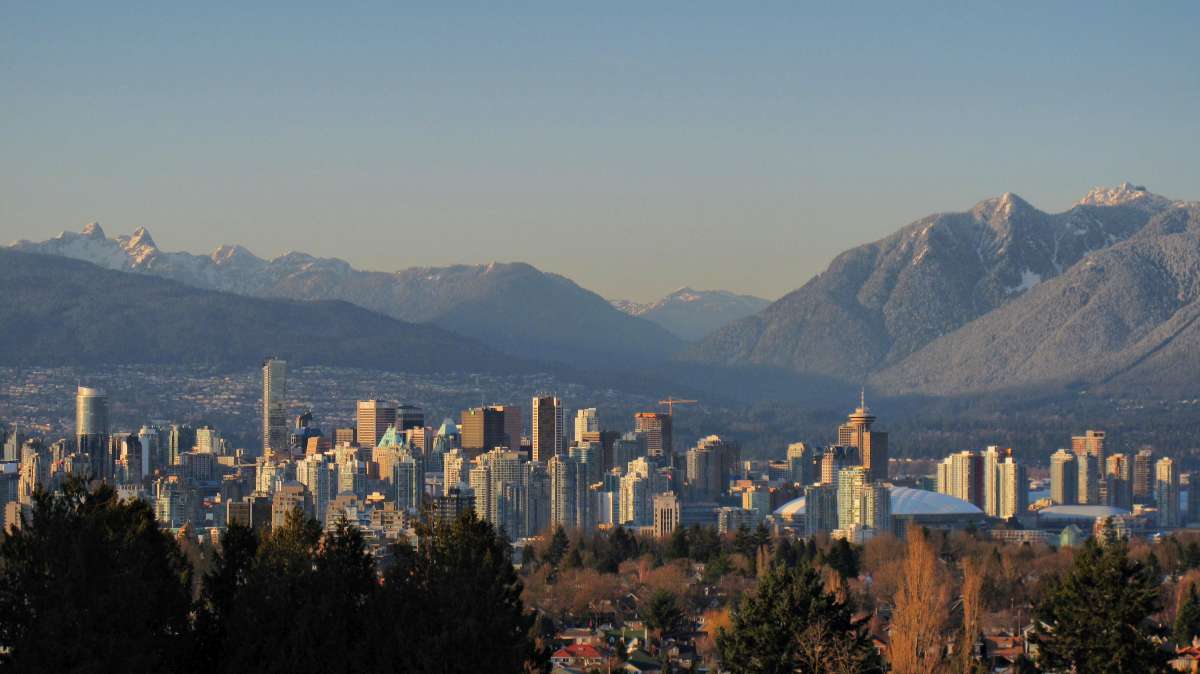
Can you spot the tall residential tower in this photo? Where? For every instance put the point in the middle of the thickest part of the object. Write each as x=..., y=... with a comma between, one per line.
x=274, y=416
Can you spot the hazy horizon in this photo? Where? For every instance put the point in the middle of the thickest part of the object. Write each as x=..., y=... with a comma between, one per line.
x=634, y=152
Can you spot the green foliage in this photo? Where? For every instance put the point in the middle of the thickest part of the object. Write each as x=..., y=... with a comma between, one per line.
x=456, y=603
x=662, y=613
x=843, y=558
x=91, y=579
x=790, y=624
x=1187, y=621
x=677, y=546
x=92, y=584
x=558, y=546
x=1097, y=617
x=704, y=544
x=299, y=602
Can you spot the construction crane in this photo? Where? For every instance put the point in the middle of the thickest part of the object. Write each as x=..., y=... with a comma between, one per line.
x=671, y=402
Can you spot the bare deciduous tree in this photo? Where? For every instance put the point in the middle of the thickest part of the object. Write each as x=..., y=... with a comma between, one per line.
x=972, y=600
x=921, y=613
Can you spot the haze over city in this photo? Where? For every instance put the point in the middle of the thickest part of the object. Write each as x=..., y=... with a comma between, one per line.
x=656, y=339
x=753, y=143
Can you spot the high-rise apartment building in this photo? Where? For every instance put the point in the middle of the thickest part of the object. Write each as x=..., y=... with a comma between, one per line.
x=1091, y=474
x=992, y=457
x=318, y=477
x=153, y=449
x=1166, y=492
x=1005, y=484
x=1064, y=478
x=274, y=413
x=536, y=509
x=373, y=418
x=833, y=459
x=1090, y=443
x=961, y=475
x=1014, y=488
x=180, y=438
x=821, y=508
x=546, y=429
x=564, y=489
x=703, y=474
x=126, y=450
x=1143, y=476
x=872, y=446
x=454, y=465
x=1119, y=479
x=291, y=495
x=408, y=480
x=498, y=480
x=850, y=484
x=587, y=425
x=801, y=463
x=208, y=440
x=91, y=429
x=659, y=434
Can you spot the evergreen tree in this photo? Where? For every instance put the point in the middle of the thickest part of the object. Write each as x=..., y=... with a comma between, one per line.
x=90, y=582
x=558, y=546
x=279, y=593
x=743, y=542
x=662, y=614
x=677, y=546
x=574, y=558
x=704, y=543
x=790, y=624
x=1187, y=621
x=842, y=558
x=1097, y=617
x=455, y=605
x=220, y=592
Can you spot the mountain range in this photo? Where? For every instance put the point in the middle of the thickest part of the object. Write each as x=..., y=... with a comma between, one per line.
x=694, y=314
x=1103, y=297
x=1001, y=297
x=512, y=307
x=58, y=311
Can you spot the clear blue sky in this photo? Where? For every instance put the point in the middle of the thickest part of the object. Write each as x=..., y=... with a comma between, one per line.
x=635, y=147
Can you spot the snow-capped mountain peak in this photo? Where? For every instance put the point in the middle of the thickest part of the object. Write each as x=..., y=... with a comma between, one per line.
x=691, y=313
x=1125, y=194
x=141, y=239
x=93, y=230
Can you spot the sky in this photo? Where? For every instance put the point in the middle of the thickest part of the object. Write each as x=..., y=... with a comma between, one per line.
x=633, y=147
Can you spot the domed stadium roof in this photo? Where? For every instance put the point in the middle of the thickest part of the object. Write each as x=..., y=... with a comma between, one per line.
x=1079, y=512
x=905, y=502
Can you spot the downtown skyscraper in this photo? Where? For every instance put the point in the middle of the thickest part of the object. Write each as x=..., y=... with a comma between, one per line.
x=546, y=428
x=91, y=429
x=274, y=412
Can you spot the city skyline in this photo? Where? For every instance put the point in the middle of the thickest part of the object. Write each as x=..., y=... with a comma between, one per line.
x=541, y=337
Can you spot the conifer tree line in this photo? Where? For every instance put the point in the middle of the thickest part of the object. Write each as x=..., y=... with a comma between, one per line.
x=91, y=583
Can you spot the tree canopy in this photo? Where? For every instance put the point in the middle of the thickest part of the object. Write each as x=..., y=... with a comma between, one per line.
x=791, y=624
x=90, y=583
x=1097, y=617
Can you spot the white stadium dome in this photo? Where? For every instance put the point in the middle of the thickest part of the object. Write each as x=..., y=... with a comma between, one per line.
x=906, y=502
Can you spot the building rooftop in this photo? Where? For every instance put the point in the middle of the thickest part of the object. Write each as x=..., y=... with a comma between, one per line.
x=1081, y=512
x=905, y=501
